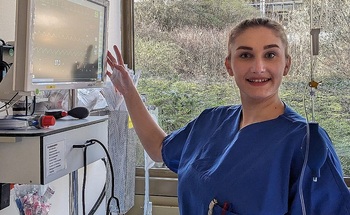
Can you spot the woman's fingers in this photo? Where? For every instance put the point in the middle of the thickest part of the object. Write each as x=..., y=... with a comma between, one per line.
x=113, y=62
x=108, y=73
x=110, y=59
x=110, y=63
x=119, y=55
x=114, y=65
x=117, y=72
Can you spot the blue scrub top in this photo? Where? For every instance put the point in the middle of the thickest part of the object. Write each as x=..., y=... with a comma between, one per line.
x=255, y=170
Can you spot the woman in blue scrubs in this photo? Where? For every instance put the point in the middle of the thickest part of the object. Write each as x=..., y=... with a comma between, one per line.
x=252, y=158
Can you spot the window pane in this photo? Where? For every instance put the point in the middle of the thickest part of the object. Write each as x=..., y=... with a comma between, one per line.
x=180, y=47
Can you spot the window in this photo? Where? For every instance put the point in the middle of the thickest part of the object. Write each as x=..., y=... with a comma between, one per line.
x=180, y=47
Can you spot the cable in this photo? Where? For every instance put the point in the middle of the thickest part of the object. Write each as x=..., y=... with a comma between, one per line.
x=85, y=146
x=112, y=176
x=101, y=197
x=84, y=179
x=9, y=102
x=4, y=66
x=33, y=105
x=26, y=105
x=313, y=85
x=306, y=158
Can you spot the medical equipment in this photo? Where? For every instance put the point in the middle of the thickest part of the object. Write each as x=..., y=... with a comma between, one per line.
x=315, y=148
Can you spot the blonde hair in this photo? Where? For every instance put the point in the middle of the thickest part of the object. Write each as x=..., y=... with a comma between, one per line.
x=258, y=22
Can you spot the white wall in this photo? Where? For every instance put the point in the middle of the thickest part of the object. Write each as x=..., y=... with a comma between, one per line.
x=96, y=171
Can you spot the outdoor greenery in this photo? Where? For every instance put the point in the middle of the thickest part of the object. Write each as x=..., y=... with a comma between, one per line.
x=181, y=46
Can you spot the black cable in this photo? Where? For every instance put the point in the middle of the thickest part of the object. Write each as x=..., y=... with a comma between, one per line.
x=98, y=201
x=112, y=176
x=6, y=65
x=26, y=106
x=33, y=105
x=7, y=103
x=84, y=146
x=101, y=197
x=84, y=179
x=89, y=143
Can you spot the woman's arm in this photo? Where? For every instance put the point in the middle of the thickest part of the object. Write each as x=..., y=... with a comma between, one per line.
x=148, y=131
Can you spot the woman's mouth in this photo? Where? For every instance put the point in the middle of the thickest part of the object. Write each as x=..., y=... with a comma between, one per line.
x=261, y=80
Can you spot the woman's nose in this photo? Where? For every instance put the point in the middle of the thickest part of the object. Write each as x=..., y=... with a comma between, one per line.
x=259, y=65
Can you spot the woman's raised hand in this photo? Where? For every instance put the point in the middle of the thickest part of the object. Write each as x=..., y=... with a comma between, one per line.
x=148, y=131
x=119, y=75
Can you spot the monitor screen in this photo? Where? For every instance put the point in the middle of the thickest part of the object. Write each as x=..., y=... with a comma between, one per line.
x=60, y=44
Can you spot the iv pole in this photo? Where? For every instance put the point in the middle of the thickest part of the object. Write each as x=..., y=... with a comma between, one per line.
x=316, y=147
x=314, y=51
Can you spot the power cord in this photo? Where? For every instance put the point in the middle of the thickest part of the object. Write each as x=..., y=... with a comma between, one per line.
x=101, y=197
x=4, y=66
x=9, y=103
x=33, y=105
x=85, y=146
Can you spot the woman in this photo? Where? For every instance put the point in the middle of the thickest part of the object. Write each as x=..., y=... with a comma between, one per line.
x=248, y=158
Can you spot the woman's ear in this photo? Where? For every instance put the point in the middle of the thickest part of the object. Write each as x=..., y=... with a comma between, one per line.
x=228, y=66
x=288, y=64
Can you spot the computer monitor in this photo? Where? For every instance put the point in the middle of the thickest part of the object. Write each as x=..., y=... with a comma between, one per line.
x=59, y=44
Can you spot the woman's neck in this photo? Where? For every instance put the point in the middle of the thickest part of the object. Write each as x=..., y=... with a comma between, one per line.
x=261, y=111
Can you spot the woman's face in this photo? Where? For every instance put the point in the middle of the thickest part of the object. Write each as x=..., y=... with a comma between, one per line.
x=258, y=62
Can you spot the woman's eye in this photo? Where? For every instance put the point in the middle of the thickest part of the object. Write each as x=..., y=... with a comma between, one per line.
x=270, y=55
x=245, y=55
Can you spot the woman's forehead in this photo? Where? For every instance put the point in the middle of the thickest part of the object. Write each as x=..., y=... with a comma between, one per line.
x=257, y=36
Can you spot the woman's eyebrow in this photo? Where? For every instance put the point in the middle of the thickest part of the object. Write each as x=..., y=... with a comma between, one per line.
x=271, y=46
x=244, y=48
x=265, y=47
